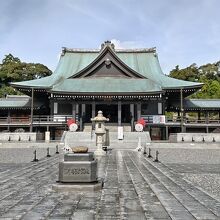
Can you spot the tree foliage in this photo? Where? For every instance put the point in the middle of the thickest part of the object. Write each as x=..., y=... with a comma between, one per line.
x=12, y=69
x=209, y=74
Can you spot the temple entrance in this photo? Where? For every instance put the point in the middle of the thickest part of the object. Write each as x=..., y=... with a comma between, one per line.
x=118, y=113
x=109, y=111
x=125, y=113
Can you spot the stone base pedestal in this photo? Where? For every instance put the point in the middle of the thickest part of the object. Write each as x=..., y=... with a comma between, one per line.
x=78, y=168
x=79, y=187
x=99, y=151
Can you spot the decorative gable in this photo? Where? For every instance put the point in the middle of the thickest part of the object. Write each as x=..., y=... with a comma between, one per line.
x=107, y=64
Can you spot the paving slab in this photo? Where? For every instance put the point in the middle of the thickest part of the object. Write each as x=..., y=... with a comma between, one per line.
x=134, y=187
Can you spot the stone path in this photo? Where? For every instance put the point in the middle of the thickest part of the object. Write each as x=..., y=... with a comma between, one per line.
x=135, y=187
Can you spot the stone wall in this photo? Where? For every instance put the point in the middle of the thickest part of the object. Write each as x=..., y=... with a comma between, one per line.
x=195, y=137
x=18, y=136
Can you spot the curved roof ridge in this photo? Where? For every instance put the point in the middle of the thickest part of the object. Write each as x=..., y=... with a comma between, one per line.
x=85, y=50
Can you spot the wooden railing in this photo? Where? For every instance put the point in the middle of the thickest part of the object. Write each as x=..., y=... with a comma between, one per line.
x=62, y=119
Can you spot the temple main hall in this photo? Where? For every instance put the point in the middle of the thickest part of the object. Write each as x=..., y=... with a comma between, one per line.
x=126, y=84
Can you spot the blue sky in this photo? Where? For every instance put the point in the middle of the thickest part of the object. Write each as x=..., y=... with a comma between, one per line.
x=183, y=31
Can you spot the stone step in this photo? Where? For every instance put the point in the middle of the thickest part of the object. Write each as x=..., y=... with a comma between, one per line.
x=166, y=188
x=113, y=127
x=74, y=138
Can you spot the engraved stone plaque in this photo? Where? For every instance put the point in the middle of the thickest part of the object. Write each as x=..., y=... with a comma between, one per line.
x=74, y=170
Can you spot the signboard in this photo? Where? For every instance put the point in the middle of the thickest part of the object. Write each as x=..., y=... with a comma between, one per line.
x=120, y=133
x=159, y=119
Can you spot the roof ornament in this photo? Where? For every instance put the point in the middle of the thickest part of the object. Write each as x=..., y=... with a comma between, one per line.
x=107, y=44
x=64, y=49
x=108, y=62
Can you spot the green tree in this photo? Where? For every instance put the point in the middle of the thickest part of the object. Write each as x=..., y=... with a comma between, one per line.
x=13, y=70
x=209, y=74
x=190, y=73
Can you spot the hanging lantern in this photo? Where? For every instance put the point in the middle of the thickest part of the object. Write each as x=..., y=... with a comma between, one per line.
x=140, y=125
x=72, y=124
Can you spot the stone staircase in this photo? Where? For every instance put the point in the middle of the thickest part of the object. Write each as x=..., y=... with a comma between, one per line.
x=87, y=138
x=113, y=127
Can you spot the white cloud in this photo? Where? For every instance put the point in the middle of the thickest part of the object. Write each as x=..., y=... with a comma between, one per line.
x=127, y=44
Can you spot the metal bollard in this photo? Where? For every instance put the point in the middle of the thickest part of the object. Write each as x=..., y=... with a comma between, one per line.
x=203, y=139
x=19, y=138
x=156, y=159
x=57, y=149
x=105, y=149
x=9, y=138
x=35, y=156
x=29, y=138
x=48, y=152
x=182, y=139
x=145, y=150
x=213, y=140
x=193, y=139
x=149, y=153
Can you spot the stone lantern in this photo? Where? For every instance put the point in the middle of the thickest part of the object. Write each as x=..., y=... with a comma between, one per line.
x=99, y=131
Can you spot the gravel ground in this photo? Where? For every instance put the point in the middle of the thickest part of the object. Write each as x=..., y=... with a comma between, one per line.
x=23, y=155
x=199, y=166
x=188, y=156
x=208, y=182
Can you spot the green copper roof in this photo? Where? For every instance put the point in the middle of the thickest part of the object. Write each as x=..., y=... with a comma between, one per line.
x=147, y=64
x=143, y=62
x=17, y=101
x=202, y=103
x=198, y=104
x=107, y=86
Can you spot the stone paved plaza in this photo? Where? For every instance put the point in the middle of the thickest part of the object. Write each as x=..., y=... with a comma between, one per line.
x=184, y=185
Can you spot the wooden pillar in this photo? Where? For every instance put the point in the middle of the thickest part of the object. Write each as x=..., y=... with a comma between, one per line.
x=54, y=108
x=181, y=110
x=77, y=112
x=167, y=133
x=206, y=117
x=207, y=129
x=207, y=121
x=83, y=108
x=82, y=118
x=9, y=119
x=160, y=108
x=138, y=110
x=93, y=109
x=199, y=115
x=119, y=113
x=32, y=109
x=74, y=110
x=132, y=116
